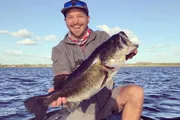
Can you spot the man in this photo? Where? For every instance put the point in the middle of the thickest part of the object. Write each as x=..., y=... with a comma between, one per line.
x=76, y=46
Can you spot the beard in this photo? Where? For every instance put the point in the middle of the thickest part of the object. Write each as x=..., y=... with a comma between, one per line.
x=78, y=33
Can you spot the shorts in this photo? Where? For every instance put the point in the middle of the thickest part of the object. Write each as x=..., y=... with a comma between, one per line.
x=98, y=107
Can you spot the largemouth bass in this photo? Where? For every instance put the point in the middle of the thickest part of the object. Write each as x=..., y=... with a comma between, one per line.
x=90, y=77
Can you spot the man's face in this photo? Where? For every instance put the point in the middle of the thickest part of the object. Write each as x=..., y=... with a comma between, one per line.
x=77, y=22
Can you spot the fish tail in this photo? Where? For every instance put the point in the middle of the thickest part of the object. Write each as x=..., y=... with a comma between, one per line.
x=37, y=106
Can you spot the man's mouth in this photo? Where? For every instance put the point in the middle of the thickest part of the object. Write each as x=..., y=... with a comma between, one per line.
x=76, y=27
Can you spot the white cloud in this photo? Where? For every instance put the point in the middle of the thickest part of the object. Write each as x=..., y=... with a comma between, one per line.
x=50, y=37
x=177, y=54
x=17, y=53
x=174, y=48
x=26, y=55
x=45, y=57
x=163, y=55
x=48, y=57
x=4, y=32
x=110, y=31
x=13, y=52
x=160, y=46
x=27, y=42
x=38, y=38
x=46, y=38
x=133, y=38
x=22, y=33
x=150, y=50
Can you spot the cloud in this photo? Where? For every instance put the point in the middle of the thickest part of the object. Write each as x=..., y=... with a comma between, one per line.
x=45, y=57
x=177, y=54
x=19, y=53
x=163, y=55
x=50, y=37
x=115, y=30
x=160, y=46
x=36, y=39
x=24, y=33
x=27, y=42
x=150, y=50
x=4, y=32
x=175, y=48
x=110, y=31
x=46, y=38
x=13, y=52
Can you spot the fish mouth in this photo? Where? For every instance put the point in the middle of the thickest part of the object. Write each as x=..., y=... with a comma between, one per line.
x=108, y=67
x=131, y=54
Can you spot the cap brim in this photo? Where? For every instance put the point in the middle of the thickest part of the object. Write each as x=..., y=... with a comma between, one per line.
x=64, y=10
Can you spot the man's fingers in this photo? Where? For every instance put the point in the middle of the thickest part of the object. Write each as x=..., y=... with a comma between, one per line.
x=63, y=100
x=50, y=90
x=59, y=101
x=54, y=104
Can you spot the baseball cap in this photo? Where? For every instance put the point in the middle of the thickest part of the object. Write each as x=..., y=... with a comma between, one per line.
x=75, y=4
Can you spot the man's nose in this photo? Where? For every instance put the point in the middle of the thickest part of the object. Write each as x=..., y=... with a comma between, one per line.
x=75, y=20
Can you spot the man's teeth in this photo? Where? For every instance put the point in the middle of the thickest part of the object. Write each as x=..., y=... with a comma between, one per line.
x=76, y=27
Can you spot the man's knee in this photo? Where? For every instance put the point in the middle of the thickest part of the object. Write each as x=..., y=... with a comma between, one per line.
x=137, y=91
x=134, y=92
x=130, y=94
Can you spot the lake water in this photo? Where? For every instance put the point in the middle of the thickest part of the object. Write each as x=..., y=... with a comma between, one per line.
x=161, y=85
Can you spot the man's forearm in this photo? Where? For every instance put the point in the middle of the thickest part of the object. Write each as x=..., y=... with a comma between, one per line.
x=59, y=81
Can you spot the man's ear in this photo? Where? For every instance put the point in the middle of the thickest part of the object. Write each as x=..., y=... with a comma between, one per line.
x=88, y=19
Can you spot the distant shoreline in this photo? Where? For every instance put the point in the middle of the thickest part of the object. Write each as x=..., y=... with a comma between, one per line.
x=153, y=64
x=139, y=64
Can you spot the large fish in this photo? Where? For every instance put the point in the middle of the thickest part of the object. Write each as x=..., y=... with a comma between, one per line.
x=89, y=78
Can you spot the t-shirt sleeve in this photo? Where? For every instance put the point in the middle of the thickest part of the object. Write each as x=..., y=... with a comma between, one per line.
x=60, y=61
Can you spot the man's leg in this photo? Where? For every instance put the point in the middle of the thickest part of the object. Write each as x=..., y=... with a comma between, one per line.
x=130, y=101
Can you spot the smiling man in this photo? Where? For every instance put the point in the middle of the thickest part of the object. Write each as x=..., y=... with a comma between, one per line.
x=76, y=46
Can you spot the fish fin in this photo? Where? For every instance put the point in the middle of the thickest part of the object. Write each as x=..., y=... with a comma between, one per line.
x=71, y=106
x=37, y=106
x=105, y=78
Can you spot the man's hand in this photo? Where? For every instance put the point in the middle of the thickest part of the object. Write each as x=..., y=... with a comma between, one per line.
x=60, y=101
x=132, y=54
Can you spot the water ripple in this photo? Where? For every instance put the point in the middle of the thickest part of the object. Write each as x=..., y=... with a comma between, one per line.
x=161, y=85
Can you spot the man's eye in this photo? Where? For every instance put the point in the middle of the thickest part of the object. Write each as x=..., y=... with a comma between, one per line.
x=80, y=16
x=69, y=17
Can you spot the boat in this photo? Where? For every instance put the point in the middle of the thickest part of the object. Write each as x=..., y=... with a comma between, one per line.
x=62, y=114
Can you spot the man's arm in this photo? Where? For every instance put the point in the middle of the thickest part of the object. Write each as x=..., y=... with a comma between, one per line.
x=61, y=69
x=60, y=60
x=59, y=80
x=58, y=84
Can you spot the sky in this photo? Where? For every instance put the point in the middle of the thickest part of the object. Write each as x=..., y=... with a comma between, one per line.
x=29, y=29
